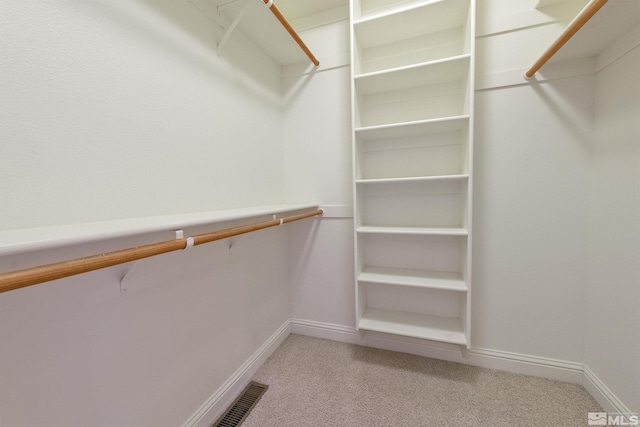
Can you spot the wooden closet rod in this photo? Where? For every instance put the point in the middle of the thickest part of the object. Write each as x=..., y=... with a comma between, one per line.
x=583, y=17
x=44, y=273
x=290, y=30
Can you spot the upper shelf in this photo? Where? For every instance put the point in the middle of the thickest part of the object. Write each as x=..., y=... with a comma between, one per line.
x=255, y=20
x=595, y=32
x=39, y=238
x=613, y=20
x=424, y=32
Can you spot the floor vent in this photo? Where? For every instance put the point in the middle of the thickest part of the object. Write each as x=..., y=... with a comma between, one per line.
x=242, y=406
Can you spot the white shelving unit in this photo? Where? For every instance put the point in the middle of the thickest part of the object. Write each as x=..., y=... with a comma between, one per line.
x=412, y=97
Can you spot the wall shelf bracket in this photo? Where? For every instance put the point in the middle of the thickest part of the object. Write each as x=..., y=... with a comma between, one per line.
x=126, y=279
x=233, y=26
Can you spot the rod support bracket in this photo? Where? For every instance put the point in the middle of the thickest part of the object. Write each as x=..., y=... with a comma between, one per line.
x=233, y=25
x=190, y=243
x=124, y=282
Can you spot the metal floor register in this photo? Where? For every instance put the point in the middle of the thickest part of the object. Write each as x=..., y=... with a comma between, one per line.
x=242, y=406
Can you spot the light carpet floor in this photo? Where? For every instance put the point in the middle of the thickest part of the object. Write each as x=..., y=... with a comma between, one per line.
x=321, y=383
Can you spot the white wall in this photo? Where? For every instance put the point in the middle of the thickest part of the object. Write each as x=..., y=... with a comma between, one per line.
x=531, y=190
x=554, y=279
x=77, y=352
x=531, y=204
x=317, y=137
x=613, y=344
x=117, y=109
x=531, y=218
x=103, y=86
x=120, y=109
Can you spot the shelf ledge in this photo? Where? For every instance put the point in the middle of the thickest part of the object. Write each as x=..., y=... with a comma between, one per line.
x=447, y=123
x=416, y=231
x=463, y=57
x=423, y=326
x=415, y=278
x=460, y=177
x=393, y=11
x=40, y=238
x=427, y=74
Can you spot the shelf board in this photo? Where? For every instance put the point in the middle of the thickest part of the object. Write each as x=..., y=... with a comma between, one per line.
x=420, y=75
x=390, y=11
x=611, y=23
x=41, y=238
x=255, y=23
x=414, y=128
x=413, y=179
x=416, y=278
x=417, y=231
x=410, y=20
x=421, y=65
x=435, y=328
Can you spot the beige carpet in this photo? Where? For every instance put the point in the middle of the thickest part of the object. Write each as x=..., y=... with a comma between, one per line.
x=321, y=383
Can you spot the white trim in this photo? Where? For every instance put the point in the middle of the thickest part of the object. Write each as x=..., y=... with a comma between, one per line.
x=491, y=25
x=555, y=369
x=213, y=407
x=602, y=394
x=551, y=71
x=324, y=330
x=337, y=211
x=505, y=361
x=42, y=238
x=562, y=69
x=618, y=49
x=544, y=367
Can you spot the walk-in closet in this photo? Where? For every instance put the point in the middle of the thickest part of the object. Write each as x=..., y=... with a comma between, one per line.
x=353, y=201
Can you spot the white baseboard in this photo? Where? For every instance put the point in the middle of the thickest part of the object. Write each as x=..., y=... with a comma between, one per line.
x=602, y=394
x=500, y=360
x=525, y=364
x=503, y=361
x=555, y=369
x=223, y=397
x=328, y=331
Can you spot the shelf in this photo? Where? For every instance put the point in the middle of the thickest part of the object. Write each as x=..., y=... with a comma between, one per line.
x=615, y=19
x=413, y=252
x=417, y=278
x=369, y=10
x=401, y=14
x=411, y=35
x=258, y=26
x=413, y=128
x=436, y=328
x=39, y=238
x=416, y=75
x=416, y=93
x=415, y=149
x=413, y=203
x=414, y=231
x=413, y=179
x=412, y=93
